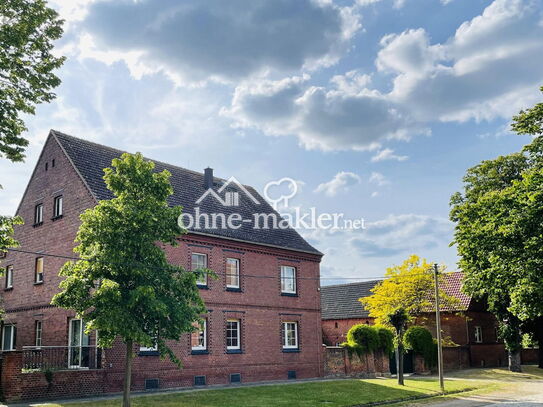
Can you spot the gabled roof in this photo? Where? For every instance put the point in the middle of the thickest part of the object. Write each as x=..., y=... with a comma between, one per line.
x=90, y=159
x=341, y=301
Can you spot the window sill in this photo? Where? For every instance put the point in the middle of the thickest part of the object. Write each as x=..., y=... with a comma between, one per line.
x=8, y=288
x=54, y=218
x=38, y=283
x=289, y=294
x=233, y=289
x=234, y=351
x=35, y=225
x=293, y=350
x=199, y=352
x=149, y=353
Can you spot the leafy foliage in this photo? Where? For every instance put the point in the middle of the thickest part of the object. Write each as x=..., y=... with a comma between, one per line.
x=499, y=234
x=123, y=285
x=409, y=286
x=27, y=31
x=362, y=339
x=420, y=340
x=386, y=339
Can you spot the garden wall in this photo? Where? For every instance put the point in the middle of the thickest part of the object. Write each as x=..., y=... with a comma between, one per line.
x=338, y=363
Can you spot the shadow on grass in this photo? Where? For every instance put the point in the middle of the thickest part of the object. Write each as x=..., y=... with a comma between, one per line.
x=337, y=393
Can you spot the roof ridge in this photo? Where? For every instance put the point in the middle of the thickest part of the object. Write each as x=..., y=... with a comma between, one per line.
x=350, y=284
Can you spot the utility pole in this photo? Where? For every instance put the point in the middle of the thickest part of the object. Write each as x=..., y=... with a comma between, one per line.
x=438, y=331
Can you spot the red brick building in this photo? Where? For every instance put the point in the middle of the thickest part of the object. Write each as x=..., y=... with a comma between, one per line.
x=263, y=320
x=468, y=325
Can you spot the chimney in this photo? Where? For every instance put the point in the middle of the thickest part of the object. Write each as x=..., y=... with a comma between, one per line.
x=208, y=178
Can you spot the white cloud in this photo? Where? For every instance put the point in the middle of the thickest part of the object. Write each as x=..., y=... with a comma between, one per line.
x=340, y=183
x=378, y=179
x=490, y=68
x=388, y=154
x=398, y=234
x=344, y=115
x=219, y=40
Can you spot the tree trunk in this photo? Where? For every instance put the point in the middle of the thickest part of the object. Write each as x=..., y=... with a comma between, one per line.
x=127, y=373
x=399, y=364
x=514, y=361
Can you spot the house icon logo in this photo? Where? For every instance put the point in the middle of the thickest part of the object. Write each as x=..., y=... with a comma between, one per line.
x=231, y=197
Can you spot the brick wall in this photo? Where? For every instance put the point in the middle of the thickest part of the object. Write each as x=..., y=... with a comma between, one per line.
x=17, y=385
x=334, y=331
x=338, y=363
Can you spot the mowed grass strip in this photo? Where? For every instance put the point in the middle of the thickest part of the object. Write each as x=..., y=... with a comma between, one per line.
x=336, y=393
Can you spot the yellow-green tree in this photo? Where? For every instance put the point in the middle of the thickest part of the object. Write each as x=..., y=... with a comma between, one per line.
x=409, y=286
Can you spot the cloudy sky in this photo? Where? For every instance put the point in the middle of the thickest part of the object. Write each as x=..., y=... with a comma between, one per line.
x=375, y=107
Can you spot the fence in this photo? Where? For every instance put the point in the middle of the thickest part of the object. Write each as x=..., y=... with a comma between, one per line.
x=61, y=357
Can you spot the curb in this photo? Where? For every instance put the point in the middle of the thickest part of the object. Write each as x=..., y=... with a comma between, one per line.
x=413, y=398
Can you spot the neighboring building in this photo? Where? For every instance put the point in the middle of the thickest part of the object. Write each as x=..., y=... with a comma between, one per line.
x=468, y=324
x=263, y=320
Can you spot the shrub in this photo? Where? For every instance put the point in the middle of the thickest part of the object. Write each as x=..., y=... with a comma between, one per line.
x=419, y=339
x=362, y=339
x=386, y=339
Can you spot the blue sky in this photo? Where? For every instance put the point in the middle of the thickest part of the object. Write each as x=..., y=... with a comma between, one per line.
x=376, y=107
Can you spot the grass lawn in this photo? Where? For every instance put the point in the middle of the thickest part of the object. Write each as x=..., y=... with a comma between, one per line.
x=337, y=393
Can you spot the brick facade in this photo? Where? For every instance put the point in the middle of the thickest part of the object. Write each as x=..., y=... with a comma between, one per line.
x=258, y=304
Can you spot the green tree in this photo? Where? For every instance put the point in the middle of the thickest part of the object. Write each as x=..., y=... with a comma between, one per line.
x=398, y=319
x=499, y=235
x=420, y=340
x=27, y=31
x=123, y=285
x=409, y=286
x=7, y=224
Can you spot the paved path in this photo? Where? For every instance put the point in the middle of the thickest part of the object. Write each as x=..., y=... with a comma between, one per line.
x=518, y=394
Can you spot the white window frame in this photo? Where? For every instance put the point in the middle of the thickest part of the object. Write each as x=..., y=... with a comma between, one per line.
x=149, y=348
x=202, y=327
x=81, y=347
x=38, y=329
x=13, y=330
x=285, y=335
x=238, y=336
x=9, y=276
x=38, y=214
x=38, y=277
x=237, y=262
x=478, y=334
x=284, y=278
x=201, y=279
x=58, y=208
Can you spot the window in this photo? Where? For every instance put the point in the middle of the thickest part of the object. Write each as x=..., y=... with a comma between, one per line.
x=232, y=273
x=38, y=214
x=290, y=335
x=38, y=271
x=78, y=341
x=198, y=338
x=53, y=163
x=478, y=334
x=199, y=261
x=288, y=279
x=149, y=348
x=38, y=329
x=232, y=334
x=9, y=276
x=9, y=333
x=57, y=207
